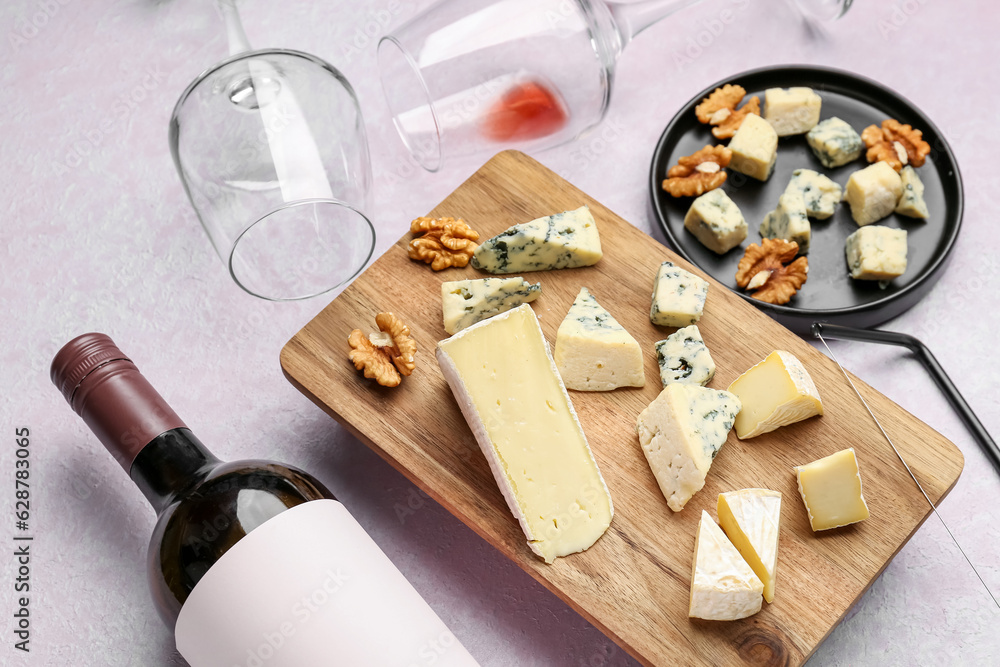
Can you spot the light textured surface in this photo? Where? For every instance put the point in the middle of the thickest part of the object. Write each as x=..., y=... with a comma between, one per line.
x=98, y=235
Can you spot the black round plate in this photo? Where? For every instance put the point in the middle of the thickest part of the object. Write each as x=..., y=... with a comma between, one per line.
x=830, y=294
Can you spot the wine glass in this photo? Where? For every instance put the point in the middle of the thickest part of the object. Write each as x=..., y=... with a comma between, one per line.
x=270, y=146
x=824, y=10
x=469, y=77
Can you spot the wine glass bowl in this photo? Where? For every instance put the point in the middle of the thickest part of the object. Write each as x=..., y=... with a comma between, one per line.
x=271, y=148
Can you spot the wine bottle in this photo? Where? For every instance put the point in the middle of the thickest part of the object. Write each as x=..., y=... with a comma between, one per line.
x=252, y=563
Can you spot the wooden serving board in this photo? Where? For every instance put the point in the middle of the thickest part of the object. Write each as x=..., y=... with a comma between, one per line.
x=634, y=582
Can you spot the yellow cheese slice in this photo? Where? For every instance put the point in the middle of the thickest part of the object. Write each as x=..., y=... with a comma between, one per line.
x=510, y=392
x=750, y=518
x=723, y=587
x=831, y=490
x=776, y=392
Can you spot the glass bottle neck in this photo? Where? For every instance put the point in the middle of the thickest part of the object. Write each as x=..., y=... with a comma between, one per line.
x=170, y=464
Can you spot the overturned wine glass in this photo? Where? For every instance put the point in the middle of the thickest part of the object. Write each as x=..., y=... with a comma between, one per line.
x=271, y=148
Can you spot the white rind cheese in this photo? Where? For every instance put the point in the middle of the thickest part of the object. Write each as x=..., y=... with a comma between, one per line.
x=911, y=203
x=678, y=297
x=565, y=240
x=774, y=393
x=751, y=519
x=465, y=302
x=510, y=392
x=755, y=148
x=792, y=111
x=873, y=193
x=716, y=221
x=831, y=491
x=835, y=143
x=683, y=357
x=593, y=352
x=680, y=433
x=788, y=221
x=876, y=253
x=723, y=587
x=821, y=195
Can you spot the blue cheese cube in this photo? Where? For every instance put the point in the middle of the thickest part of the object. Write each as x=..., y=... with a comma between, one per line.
x=873, y=193
x=876, y=253
x=788, y=221
x=465, y=302
x=755, y=148
x=791, y=111
x=565, y=240
x=683, y=357
x=835, y=143
x=821, y=194
x=911, y=203
x=716, y=221
x=678, y=297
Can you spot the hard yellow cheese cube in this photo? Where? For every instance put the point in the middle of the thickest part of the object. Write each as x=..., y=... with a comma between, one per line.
x=776, y=392
x=791, y=111
x=873, y=193
x=831, y=491
x=755, y=148
x=751, y=518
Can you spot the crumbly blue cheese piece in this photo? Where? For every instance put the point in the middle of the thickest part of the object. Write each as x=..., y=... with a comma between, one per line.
x=835, y=143
x=788, y=221
x=716, y=221
x=911, y=203
x=755, y=148
x=465, y=302
x=593, y=352
x=876, y=253
x=791, y=111
x=678, y=297
x=873, y=193
x=821, y=194
x=683, y=357
x=680, y=432
x=565, y=240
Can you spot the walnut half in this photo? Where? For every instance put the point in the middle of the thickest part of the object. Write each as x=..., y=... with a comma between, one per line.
x=443, y=242
x=895, y=144
x=768, y=270
x=384, y=355
x=696, y=174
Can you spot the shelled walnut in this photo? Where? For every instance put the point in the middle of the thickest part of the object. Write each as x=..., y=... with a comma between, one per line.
x=386, y=354
x=696, y=174
x=768, y=270
x=895, y=144
x=443, y=242
x=719, y=109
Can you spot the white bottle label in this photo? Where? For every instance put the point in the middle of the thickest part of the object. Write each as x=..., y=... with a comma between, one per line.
x=309, y=588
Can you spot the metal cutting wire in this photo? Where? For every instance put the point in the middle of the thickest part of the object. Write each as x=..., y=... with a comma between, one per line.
x=818, y=332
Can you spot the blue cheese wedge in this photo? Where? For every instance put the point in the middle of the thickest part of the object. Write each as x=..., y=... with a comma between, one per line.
x=911, y=203
x=509, y=391
x=751, y=519
x=821, y=195
x=565, y=240
x=835, y=143
x=680, y=433
x=723, y=586
x=755, y=148
x=465, y=302
x=876, y=253
x=776, y=392
x=873, y=193
x=791, y=111
x=788, y=221
x=683, y=357
x=716, y=221
x=678, y=297
x=593, y=352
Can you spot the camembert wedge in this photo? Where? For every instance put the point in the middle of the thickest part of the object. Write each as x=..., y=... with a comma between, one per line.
x=465, y=302
x=595, y=353
x=776, y=392
x=723, y=587
x=751, y=518
x=510, y=393
x=680, y=432
x=566, y=240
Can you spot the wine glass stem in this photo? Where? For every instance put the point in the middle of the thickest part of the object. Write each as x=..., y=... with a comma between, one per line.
x=634, y=17
x=238, y=42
